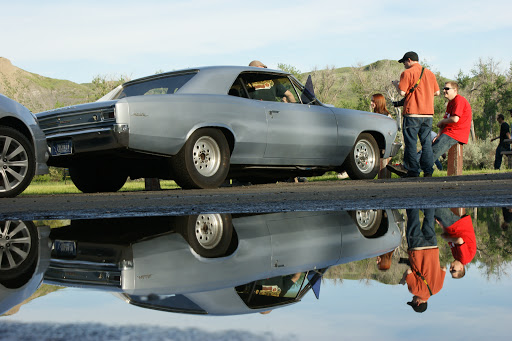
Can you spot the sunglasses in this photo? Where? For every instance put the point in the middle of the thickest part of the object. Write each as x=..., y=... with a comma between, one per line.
x=446, y=89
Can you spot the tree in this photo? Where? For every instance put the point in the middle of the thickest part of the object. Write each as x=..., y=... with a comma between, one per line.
x=102, y=85
x=489, y=91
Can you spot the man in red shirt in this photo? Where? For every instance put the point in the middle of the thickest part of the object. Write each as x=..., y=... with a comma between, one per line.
x=460, y=235
x=456, y=124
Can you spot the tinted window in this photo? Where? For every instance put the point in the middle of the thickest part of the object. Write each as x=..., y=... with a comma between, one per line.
x=156, y=86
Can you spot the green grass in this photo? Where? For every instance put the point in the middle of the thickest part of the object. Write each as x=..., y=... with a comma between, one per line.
x=67, y=187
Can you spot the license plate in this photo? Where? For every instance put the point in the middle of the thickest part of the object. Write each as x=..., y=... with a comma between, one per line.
x=64, y=248
x=62, y=148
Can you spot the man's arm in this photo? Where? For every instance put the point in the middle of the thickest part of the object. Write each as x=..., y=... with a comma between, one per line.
x=445, y=121
x=437, y=93
x=407, y=272
x=396, y=84
x=454, y=240
x=288, y=97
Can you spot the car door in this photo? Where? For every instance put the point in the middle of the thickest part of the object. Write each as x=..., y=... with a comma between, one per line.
x=300, y=133
x=296, y=133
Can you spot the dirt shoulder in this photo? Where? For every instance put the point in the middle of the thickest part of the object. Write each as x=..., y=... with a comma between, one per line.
x=456, y=191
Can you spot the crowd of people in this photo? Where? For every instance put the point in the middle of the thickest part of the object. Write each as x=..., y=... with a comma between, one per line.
x=418, y=86
x=425, y=275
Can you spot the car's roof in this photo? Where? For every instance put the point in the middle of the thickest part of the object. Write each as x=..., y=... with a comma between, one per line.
x=215, y=80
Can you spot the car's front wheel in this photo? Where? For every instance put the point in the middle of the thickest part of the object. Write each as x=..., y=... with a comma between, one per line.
x=364, y=159
x=209, y=234
x=92, y=178
x=203, y=162
x=17, y=162
x=368, y=222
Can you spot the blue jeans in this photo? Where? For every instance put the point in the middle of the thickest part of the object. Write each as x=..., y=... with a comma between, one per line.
x=414, y=128
x=499, y=157
x=446, y=216
x=417, y=235
x=442, y=144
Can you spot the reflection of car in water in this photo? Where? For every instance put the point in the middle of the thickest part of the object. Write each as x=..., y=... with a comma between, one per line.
x=24, y=257
x=213, y=263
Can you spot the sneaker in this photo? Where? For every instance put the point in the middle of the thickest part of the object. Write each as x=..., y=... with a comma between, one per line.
x=398, y=170
x=343, y=175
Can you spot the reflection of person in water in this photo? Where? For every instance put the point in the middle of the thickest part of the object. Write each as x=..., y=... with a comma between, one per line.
x=460, y=235
x=507, y=216
x=425, y=277
x=384, y=261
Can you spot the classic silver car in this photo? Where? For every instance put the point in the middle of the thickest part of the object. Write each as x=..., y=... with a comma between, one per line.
x=210, y=263
x=23, y=150
x=200, y=126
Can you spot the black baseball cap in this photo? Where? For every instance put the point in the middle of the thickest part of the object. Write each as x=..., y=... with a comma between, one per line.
x=419, y=308
x=412, y=55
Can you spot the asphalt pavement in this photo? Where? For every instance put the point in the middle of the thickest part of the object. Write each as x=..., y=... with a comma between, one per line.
x=483, y=190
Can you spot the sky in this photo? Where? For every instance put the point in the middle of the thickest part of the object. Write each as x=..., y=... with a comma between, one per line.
x=79, y=40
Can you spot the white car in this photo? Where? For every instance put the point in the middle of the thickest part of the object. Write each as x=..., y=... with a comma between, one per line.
x=23, y=148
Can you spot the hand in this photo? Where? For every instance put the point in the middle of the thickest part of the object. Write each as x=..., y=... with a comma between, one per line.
x=403, y=280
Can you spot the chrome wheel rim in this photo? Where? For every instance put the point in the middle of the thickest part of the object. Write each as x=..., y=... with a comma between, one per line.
x=208, y=230
x=206, y=156
x=364, y=155
x=366, y=218
x=15, y=244
x=13, y=163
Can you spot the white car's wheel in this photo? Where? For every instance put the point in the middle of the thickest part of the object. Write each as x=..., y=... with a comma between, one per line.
x=203, y=162
x=364, y=158
x=17, y=162
x=18, y=249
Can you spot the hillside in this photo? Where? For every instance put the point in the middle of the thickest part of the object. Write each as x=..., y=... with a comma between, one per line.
x=39, y=93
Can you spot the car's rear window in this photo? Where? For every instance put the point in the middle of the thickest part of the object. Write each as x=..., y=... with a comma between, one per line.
x=156, y=86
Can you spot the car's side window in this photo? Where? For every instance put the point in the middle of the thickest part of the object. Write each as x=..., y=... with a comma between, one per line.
x=269, y=87
x=237, y=89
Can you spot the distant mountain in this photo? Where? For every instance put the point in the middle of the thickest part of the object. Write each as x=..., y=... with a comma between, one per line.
x=39, y=93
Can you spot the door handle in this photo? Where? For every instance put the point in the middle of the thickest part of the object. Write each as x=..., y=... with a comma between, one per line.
x=272, y=112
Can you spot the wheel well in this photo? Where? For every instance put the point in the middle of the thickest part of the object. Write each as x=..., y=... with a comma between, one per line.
x=229, y=137
x=381, y=142
x=14, y=123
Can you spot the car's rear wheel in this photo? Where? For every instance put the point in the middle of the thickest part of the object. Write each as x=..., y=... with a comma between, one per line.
x=209, y=234
x=364, y=158
x=18, y=250
x=17, y=162
x=203, y=162
x=92, y=178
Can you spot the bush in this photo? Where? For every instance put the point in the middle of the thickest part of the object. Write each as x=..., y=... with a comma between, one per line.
x=480, y=154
